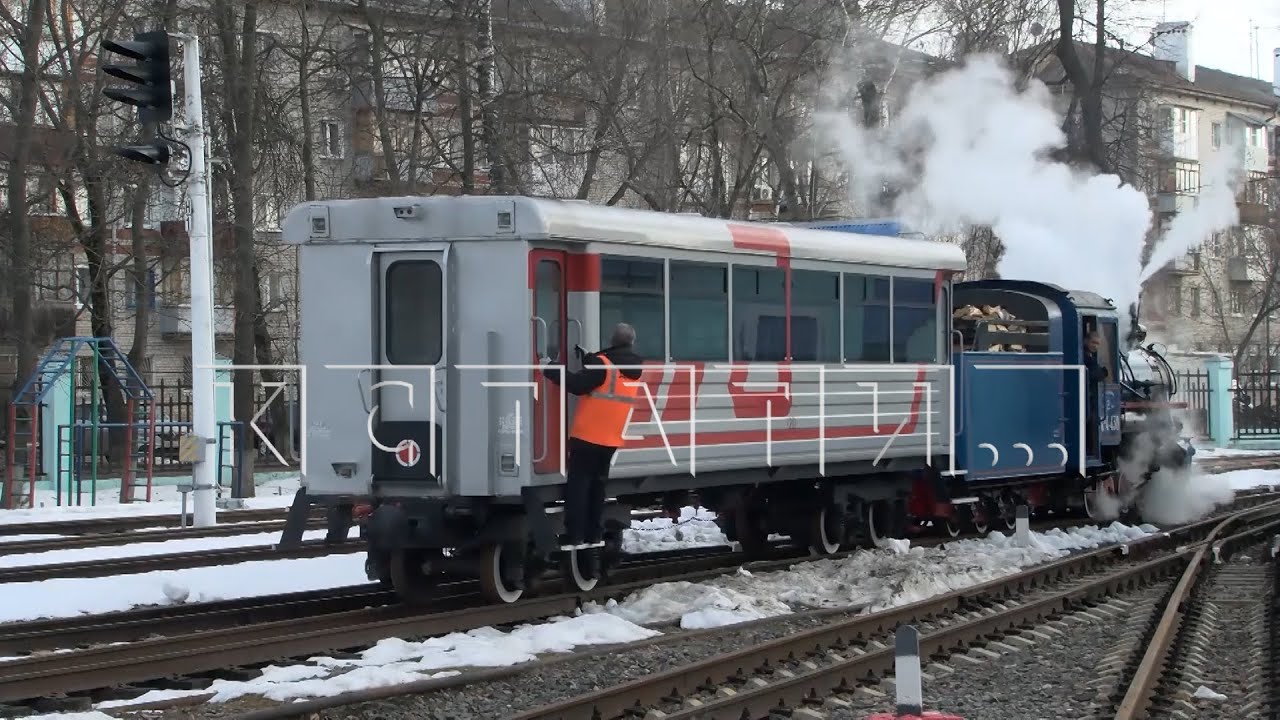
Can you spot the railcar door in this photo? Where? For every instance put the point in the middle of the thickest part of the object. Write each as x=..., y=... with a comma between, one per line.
x=550, y=309
x=408, y=405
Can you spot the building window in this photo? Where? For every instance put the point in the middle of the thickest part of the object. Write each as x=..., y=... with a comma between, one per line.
x=866, y=318
x=330, y=139
x=700, y=311
x=631, y=291
x=759, y=314
x=1215, y=135
x=1184, y=121
x=1173, y=299
x=1187, y=177
x=413, y=312
x=1195, y=302
x=133, y=284
x=279, y=287
x=915, y=321
x=1238, y=301
x=815, y=316
x=82, y=285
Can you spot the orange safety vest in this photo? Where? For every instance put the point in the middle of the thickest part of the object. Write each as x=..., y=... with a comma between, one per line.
x=602, y=414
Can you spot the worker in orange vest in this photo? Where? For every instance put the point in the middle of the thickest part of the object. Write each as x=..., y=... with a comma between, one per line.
x=607, y=386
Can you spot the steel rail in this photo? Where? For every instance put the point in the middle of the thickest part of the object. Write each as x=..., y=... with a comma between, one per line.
x=204, y=651
x=174, y=561
x=80, y=526
x=132, y=625
x=652, y=690
x=1151, y=669
x=304, y=708
x=74, y=542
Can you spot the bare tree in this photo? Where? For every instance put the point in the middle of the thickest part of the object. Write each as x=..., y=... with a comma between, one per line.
x=20, y=267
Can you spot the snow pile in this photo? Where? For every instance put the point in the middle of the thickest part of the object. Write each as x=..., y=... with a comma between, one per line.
x=695, y=528
x=394, y=661
x=873, y=580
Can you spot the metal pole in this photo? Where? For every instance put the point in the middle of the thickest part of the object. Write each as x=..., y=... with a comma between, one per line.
x=204, y=421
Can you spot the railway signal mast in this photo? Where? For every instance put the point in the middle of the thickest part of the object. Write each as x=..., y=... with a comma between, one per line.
x=151, y=91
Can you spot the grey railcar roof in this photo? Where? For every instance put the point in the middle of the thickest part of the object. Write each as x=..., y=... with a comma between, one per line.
x=475, y=216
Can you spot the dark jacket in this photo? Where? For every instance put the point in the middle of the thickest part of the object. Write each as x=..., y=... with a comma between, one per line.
x=589, y=378
x=1094, y=374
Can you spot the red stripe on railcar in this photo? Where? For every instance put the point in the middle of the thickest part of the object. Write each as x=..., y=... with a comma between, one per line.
x=734, y=437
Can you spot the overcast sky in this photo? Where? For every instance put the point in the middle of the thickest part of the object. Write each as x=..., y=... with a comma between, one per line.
x=1220, y=31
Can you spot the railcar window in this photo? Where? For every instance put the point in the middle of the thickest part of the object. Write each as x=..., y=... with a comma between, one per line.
x=815, y=316
x=631, y=292
x=548, y=302
x=413, y=302
x=699, y=311
x=759, y=314
x=866, y=318
x=915, y=321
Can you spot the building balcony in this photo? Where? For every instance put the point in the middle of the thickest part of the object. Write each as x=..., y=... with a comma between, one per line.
x=1171, y=203
x=1188, y=264
x=1253, y=213
x=1242, y=269
x=176, y=320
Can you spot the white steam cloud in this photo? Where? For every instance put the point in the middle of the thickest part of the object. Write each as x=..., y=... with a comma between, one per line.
x=969, y=148
x=1214, y=210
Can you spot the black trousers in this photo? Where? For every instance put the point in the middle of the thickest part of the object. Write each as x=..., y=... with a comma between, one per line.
x=584, y=491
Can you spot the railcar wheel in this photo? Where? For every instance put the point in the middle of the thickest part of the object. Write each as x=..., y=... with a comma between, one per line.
x=411, y=584
x=495, y=571
x=1091, y=504
x=952, y=527
x=753, y=538
x=978, y=518
x=877, y=519
x=824, y=525
x=377, y=567
x=571, y=565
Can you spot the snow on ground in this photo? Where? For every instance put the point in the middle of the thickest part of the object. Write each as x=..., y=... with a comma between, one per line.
x=68, y=597
x=1243, y=479
x=875, y=580
x=1217, y=452
x=166, y=500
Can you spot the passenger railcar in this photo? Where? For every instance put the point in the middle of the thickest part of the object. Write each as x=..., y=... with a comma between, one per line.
x=797, y=380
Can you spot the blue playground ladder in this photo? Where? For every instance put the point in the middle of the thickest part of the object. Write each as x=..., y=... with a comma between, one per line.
x=24, y=466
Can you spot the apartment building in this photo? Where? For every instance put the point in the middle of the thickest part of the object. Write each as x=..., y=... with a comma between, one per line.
x=1210, y=298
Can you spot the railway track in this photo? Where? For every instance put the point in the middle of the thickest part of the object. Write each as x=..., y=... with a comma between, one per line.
x=105, y=567
x=808, y=673
x=115, y=539
x=87, y=526
x=49, y=675
x=330, y=620
x=1213, y=638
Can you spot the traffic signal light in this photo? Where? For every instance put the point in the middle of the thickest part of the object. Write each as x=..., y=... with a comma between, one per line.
x=153, y=95
x=150, y=89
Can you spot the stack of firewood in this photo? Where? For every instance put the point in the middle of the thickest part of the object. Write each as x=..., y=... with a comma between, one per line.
x=968, y=318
